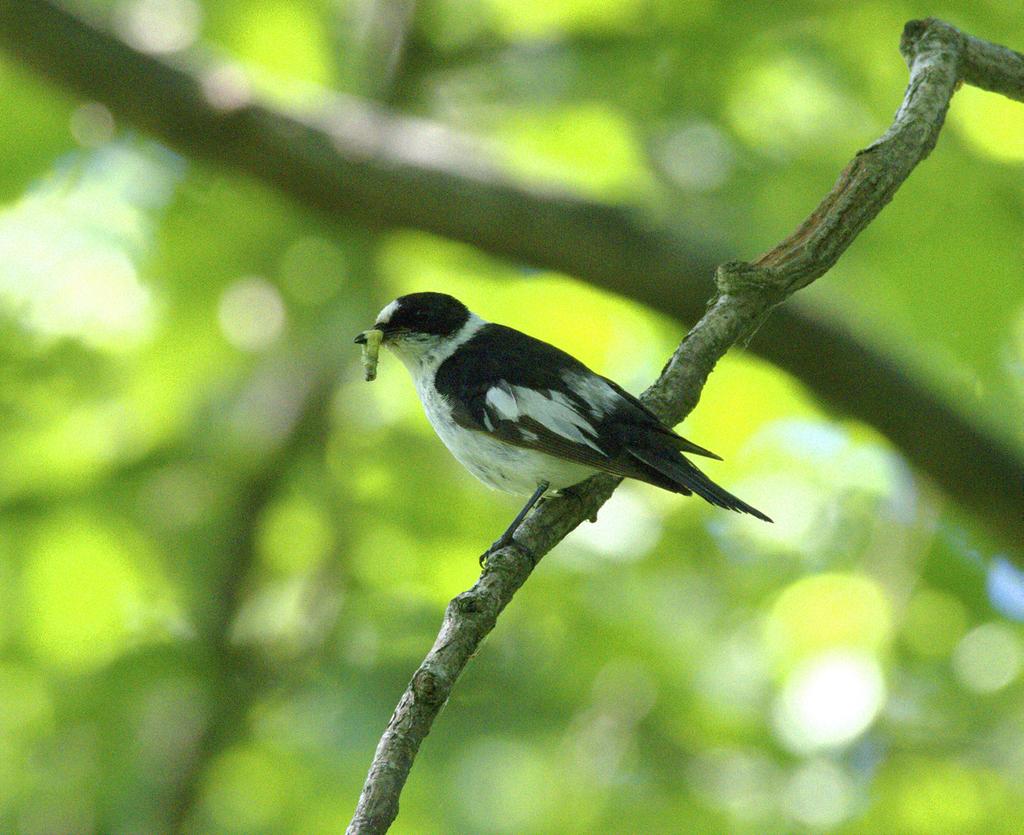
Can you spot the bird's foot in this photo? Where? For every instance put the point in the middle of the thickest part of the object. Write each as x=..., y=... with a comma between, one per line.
x=507, y=540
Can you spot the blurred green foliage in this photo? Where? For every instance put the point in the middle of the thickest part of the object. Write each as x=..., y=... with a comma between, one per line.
x=222, y=554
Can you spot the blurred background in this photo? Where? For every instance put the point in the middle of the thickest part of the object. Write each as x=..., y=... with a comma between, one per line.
x=222, y=554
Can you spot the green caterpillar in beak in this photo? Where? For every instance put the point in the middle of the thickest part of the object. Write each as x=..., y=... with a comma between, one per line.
x=370, y=340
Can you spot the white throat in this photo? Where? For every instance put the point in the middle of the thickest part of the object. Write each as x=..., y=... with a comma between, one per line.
x=422, y=355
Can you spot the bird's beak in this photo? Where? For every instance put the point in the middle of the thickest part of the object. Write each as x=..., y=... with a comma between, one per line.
x=362, y=338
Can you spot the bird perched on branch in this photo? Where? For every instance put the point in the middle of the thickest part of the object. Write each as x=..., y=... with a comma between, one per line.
x=525, y=417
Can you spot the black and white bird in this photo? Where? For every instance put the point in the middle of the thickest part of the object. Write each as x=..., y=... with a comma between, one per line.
x=527, y=418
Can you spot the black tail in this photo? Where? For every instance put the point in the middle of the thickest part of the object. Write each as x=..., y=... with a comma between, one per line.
x=681, y=476
x=683, y=445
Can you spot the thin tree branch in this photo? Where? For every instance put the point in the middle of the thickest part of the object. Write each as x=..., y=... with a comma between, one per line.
x=366, y=165
x=938, y=58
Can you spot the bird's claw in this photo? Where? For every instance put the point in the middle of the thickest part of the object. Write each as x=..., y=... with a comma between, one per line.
x=497, y=545
x=506, y=542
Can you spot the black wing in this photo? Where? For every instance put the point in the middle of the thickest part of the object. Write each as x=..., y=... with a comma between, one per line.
x=530, y=394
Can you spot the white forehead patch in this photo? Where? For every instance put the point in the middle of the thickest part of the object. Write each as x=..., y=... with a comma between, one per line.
x=385, y=315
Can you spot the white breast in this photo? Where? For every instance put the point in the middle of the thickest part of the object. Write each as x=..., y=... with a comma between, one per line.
x=497, y=464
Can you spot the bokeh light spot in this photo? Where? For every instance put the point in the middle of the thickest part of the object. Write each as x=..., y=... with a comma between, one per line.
x=734, y=675
x=92, y=124
x=227, y=87
x=69, y=247
x=251, y=314
x=819, y=795
x=827, y=611
x=158, y=27
x=78, y=287
x=787, y=104
x=988, y=658
x=829, y=701
x=696, y=156
x=285, y=617
x=626, y=528
x=1005, y=584
x=744, y=782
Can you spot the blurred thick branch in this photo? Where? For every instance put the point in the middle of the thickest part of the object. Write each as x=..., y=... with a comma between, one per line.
x=370, y=166
x=304, y=384
x=939, y=59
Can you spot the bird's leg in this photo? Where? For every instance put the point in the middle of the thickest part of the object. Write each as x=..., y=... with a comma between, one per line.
x=506, y=538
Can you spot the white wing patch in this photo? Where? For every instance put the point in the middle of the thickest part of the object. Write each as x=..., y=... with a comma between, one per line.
x=601, y=396
x=551, y=409
x=501, y=399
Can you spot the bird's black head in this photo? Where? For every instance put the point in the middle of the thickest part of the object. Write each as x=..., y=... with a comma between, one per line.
x=430, y=314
